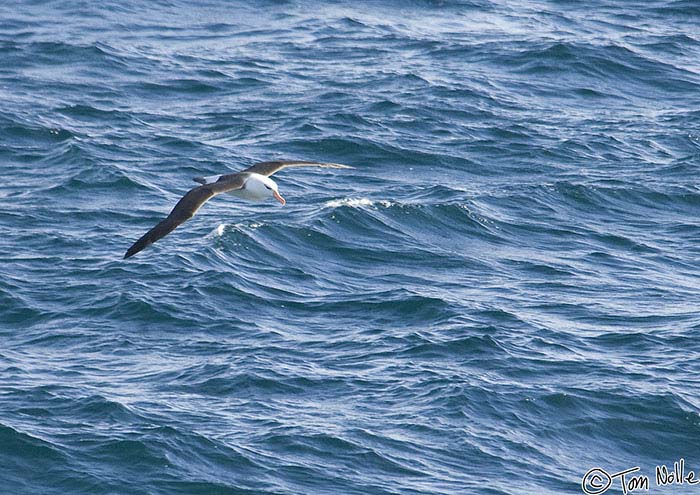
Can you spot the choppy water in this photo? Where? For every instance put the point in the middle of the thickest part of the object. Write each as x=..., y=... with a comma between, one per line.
x=501, y=295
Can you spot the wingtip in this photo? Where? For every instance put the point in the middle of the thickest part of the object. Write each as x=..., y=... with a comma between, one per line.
x=333, y=165
x=137, y=247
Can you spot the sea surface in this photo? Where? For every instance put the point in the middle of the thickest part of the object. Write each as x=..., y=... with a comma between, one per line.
x=501, y=295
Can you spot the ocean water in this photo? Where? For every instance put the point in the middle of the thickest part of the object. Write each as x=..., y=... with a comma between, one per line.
x=501, y=295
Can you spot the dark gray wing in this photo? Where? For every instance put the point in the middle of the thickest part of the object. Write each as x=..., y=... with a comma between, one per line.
x=269, y=168
x=183, y=211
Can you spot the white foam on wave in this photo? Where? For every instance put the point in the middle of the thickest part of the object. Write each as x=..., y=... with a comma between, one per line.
x=221, y=228
x=356, y=203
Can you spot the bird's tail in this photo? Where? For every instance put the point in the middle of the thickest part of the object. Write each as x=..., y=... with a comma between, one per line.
x=207, y=180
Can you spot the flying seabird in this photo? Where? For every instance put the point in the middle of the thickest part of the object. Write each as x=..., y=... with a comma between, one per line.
x=253, y=184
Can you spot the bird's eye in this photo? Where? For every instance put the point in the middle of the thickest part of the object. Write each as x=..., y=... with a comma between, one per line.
x=267, y=186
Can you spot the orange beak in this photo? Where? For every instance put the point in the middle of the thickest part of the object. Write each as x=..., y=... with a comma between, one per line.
x=278, y=197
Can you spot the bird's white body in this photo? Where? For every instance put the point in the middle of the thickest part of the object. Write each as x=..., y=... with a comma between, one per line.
x=256, y=187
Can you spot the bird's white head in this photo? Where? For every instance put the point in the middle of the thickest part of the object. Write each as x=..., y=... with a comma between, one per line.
x=260, y=187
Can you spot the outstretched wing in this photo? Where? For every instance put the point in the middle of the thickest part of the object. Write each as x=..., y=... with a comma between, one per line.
x=183, y=211
x=269, y=168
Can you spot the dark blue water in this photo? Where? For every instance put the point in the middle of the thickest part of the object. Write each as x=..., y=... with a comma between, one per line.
x=502, y=293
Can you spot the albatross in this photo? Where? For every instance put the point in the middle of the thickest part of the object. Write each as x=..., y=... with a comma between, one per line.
x=253, y=184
